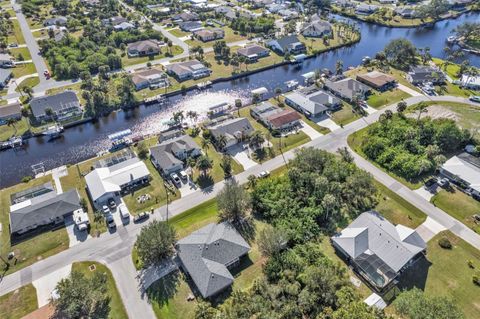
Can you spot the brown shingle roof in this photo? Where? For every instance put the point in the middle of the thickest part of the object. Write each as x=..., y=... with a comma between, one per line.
x=375, y=79
x=284, y=117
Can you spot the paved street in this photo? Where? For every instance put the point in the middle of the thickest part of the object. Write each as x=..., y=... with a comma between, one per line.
x=114, y=249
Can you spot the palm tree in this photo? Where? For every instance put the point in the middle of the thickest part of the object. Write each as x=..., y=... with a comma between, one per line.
x=329, y=202
x=205, y=143
x=252, y=181
x=256, y=140
x=178, y=117
x=204, y=164
x=339, y=67
x=11, y=121
x=422, y=108
x=192, y=115
x=278, y=91
x=238, y=105
x=221, y=142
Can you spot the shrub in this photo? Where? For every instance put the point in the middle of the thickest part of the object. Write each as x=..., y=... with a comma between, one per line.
x=26, y=179
x=445, y=243
x=470, y=264
x=476, y=279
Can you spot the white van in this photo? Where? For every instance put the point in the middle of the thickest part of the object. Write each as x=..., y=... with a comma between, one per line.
x=124, y=211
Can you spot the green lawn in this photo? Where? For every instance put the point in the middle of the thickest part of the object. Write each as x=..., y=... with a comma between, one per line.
x=452, y=89
x=315, y=45
x=24, y=69
x=452, y=69
x=344, y=115
x=458, y=205
x=19, y=52
x=230, y=36
x=37, y=245
x=127, y=61
x=381, y=99
x=117, y=309
x=18, y=303
x=16, y=36
x=31, y=82
x=447, y=274
x=179, y=33
x=19, y=128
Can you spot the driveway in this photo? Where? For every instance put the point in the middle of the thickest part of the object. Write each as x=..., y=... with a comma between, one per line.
x=147, y=277
x=408, y=90
x=16, y=82
x=46, y=284
x=187, y=187
x=241, y=156
x=427, y=194
x=326, y=121
x=310, y=131
x=429, y=228
x=74, y=235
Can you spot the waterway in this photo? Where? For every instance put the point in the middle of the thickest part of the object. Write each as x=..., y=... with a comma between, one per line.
x=86, y=140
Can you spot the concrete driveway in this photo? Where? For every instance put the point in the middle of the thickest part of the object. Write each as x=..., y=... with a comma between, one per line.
x=187, y=187
x=74, y=235
x=326, y=121
x=310, y=131
x=46, y=284
x=241, y=156
x=429, y=228
x=408, y=90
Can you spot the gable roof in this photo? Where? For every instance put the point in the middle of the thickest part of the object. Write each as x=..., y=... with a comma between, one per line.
x=251, y=49
x=319, y=26
x=185, y=67
x=206, y=253
x=315, y=102
x=143, y=45
x=286, y=41
x=347, y=87
x=9, y=110
x=57, y=102
x=425, y=73
x=36, y=210
x=283, y=117
x=164, y=152
x=371, y=234
x=233, y=128
x=466, y=167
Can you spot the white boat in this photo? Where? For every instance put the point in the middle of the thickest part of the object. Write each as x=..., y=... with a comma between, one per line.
x=291, y=85
x=53, y=131
x=204, y=85
x=452, y=39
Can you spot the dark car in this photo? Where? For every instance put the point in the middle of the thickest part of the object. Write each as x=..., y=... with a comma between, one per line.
x=141, y=216
x=111, y=203
x=430, y=182
x=110, y=221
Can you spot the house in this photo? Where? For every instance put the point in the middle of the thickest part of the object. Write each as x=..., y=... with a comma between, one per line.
x=317, y=29
x=377, y=80
x=90, y=3
x=208, y=254
x=113, y=21
x=115, y=175
x=190, y=26
x=253, y=52
x=59, y=35
x=348, y=88
x=344, y=3
x=227, y=12
x=192, y=69
x=150, y=78
x=422, y=74
x=235, y=130
x=274, y=117
x=365, y=9
x=288, y=44
x=63, y=105
x=10, y=111
x=206, y=35
x=275, y=7
x=287, y=14
x=387, y=1
x=169, y=134
x=460, y=4
x=407, y=13
x=312, y=103
x=168, y=156
x=378, y=250
x=6, y=61
x=261, y=3
x=5, y=76
x=186, y=16
x=41, y=207
x=470, y=82
x=123, y=26
x=465, y=169
x=143, y=48
x=60, y=20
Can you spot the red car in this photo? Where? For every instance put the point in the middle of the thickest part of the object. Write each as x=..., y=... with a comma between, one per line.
x=47, y=74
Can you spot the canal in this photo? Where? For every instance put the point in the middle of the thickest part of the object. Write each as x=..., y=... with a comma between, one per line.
x=84, y=141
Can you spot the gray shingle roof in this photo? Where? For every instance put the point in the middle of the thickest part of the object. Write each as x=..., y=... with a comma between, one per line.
x=233, y=128
x=56, y=102
x=206, y=253
x=163, y=153
x=347, y=87
x=42, y=208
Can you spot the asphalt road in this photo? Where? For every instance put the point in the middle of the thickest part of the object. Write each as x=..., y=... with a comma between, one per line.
x=114, y=249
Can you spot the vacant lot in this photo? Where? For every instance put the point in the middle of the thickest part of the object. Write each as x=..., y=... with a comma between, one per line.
x=18, y=303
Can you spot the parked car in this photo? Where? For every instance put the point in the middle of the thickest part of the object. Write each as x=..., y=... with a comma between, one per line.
x=176, y=179
x=141, y=216
x=111, y=203
x=105, y=209
x=444, y=182
x=124, y=211
x=474, y=98
x=183, y=175
x=430, y=182
x=13, y=45
x=263, y=174
x=46, y=73
x=110, y=222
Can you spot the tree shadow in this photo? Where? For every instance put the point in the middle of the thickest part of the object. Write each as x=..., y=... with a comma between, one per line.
x=165, y=288
x=247, y=229
x=204, y=181
x=260, y=154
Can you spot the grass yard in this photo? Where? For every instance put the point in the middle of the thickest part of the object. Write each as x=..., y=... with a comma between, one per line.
x=230, y=36
x=18, y=303
x=16, y=35
x=178, y=33
x=458, y=205
x=446, y=273
x=24, y=69
x=452, y=69
x=381, y=99
x=17, y=53
x=30, y=82
x=36, y=246
x=156, y=189
x=397, y=74
x=19, y=128
x=315, y=45
x=117, y=309
x=344, y=115
x=455, y=90
x=127, y=61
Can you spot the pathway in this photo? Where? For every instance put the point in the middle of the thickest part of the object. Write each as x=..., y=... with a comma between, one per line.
x=16, y=82
x=429, y=228
x=408, y=90
x=310, y=131
x=46, y=285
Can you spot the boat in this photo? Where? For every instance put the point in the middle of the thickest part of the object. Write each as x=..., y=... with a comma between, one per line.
x=452, y=39
x=120, y=140
x=160, y=98
x=291, y=85
x=13, y=142
x=53, y=131
x=366, y=59
x=204, y=85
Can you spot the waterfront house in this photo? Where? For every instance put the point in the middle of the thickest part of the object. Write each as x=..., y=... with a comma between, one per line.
x=288, y=44
x=312, y=102
x=378, y=250
x=190, y=26
x=235, y=130
x=150, y=78
x=63, y=105
x=470, y=82
x=344, y=3
x=192, y=69
x=407, y=13
x=114, y=176
x=40, y=206
x=10, y=111
x=253, y=52
x=463, y=169
x=143, y=48
x=206, y=35
x=5, y=76
x=424, y=73
x=317, y=29
x=365, y=9
x=275, y=118
x=169, y=156
x=377, y=80
x=56, y=21
x=169, y=134
x=275, y=7
x=348, y=88
x=208, y=254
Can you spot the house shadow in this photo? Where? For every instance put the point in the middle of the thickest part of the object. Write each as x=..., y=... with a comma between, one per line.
x=415, y=276
x=165, y=288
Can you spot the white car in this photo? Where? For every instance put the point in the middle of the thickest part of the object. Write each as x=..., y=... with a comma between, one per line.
x=124, y=211
x=176, y=179
x=183, y=175
x=263, y=174
x=105, y=209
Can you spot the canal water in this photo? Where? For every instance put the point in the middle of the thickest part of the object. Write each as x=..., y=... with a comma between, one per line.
x=84, y=141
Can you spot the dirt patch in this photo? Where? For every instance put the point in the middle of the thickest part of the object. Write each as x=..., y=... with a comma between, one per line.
x=44, y=312
x=437, y=112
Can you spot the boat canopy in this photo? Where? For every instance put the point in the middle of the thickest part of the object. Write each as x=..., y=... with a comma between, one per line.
x=120, y=134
